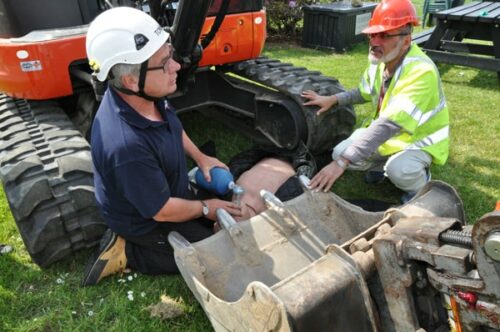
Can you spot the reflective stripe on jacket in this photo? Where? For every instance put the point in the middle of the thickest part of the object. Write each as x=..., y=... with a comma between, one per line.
x=415, y=101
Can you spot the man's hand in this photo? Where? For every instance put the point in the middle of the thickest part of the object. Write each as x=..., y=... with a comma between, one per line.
x=214, y=204
x=206, y=163
x=325, y=178
x=324, y=102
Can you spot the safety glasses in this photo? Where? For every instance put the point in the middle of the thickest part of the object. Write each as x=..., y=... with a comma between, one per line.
x=167, y=59
x=386, y=36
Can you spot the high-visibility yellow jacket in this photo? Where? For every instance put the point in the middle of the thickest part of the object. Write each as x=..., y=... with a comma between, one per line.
x=415, y=101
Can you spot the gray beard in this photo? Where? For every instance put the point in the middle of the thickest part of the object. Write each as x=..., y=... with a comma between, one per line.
x=386, y=57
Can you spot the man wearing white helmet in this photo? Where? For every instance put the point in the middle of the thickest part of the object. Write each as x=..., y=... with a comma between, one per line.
x=138, y=150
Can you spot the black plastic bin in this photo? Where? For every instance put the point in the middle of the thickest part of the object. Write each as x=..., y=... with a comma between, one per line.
x=335, y=26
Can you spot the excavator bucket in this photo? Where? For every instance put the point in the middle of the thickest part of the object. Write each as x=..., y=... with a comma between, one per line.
x=300, y=265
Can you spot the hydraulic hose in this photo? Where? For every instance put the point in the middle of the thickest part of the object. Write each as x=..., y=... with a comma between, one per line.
x=187, y=26
x=217, y=23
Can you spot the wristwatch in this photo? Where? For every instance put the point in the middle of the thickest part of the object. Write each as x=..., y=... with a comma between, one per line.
x=342, y=164
x=205, y=210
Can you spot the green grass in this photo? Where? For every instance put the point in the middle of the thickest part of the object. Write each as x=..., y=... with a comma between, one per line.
x=31, y=299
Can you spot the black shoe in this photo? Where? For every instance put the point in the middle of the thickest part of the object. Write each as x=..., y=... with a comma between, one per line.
x=108, y=259
x=374, y=177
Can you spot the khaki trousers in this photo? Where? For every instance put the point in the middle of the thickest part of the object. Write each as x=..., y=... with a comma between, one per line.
x=408, y=169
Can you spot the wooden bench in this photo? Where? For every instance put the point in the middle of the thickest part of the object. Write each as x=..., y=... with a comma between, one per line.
x=422, y=37
x=468, y=35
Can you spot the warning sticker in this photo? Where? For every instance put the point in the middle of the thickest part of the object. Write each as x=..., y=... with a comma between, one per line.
x=35, y=65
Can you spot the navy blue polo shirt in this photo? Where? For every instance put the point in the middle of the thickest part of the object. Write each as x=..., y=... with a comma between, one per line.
x=138, y=164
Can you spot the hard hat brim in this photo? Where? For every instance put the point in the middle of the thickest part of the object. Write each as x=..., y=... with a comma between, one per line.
x=376, y=29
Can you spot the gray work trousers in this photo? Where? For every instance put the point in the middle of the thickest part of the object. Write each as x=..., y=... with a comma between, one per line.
x=408, y=169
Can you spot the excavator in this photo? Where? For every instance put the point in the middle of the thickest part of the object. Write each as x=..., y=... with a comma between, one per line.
x=313, y=263
x=49, y=99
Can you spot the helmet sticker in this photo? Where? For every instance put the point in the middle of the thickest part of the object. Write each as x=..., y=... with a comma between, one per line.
x=140, y=41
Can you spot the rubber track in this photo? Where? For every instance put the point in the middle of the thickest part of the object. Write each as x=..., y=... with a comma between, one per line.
x=323, y=131
x=46, y=170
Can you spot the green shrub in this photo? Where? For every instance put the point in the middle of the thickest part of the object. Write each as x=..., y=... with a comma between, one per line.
x=283, y=17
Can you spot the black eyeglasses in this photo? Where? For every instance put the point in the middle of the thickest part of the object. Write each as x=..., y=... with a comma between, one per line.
x=167, y=60
x=386, y=36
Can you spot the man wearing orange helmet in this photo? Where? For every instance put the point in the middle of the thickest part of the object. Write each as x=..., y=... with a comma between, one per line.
x=409, y=126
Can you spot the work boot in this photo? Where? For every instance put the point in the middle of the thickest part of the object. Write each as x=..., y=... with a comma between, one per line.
x=109, y=259
x=374, y=177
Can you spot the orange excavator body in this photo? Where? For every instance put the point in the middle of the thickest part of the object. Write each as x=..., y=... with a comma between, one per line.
x=39, y=69
x=36, y=66
x=240, y=37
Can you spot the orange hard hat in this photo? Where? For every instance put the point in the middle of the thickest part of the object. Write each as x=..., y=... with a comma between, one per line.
x=390, y=15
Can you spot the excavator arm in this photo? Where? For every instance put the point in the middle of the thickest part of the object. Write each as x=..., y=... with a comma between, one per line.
x=185, y=20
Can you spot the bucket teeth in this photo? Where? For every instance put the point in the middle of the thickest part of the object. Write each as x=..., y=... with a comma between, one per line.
x=270, y=200
x=304, y=182
x=177, y=241
x=287, y=216
x=224, y=219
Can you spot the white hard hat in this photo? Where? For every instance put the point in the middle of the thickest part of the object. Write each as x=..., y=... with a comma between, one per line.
x=122, y=35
